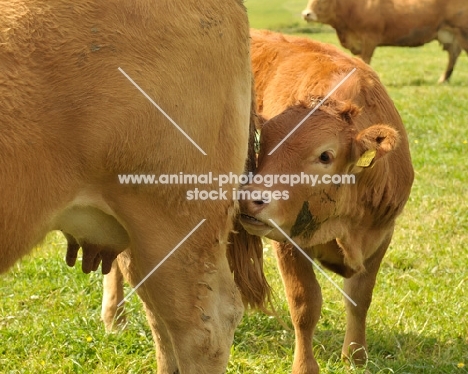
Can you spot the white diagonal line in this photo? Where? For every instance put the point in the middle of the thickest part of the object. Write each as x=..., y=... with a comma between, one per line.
x=162, y=111
x=161, y=262
x=312, y=111
x=314, y=263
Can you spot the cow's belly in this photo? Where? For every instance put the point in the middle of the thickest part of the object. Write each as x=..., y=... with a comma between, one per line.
x=414, y=38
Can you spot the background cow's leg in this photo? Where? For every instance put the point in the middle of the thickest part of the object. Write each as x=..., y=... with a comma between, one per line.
x=111, y=315
x=359, y=287
x=462, y=39
x=305, y=303
x=367, y=50
x=454, y=51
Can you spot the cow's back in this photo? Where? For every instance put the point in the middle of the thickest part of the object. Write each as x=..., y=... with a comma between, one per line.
x=392, y=22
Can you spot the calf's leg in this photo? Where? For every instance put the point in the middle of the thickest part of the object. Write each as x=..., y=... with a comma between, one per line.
x=360, y=287
x=305, y=303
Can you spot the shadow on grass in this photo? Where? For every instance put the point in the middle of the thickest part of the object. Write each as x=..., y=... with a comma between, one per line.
x=303, y=28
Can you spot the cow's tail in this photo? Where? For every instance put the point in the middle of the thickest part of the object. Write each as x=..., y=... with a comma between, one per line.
x=245, y=255
x=245, y=251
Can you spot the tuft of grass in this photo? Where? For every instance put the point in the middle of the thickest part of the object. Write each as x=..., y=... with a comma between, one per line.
x=49, y=313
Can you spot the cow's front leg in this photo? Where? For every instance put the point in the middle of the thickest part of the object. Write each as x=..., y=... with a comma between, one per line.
x=367, y=49
x=359, y=287
x=305, y=303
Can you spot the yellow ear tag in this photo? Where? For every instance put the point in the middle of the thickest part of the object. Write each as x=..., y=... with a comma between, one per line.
x=366, y=158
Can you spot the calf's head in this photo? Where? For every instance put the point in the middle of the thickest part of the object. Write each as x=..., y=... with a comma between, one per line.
x=313, y=176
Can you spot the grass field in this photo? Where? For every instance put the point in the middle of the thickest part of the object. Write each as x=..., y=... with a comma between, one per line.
x=49, y=313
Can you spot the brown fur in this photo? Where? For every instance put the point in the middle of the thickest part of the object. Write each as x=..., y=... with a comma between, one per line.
x=346, y=227
x=363, y=25
x=71, y=122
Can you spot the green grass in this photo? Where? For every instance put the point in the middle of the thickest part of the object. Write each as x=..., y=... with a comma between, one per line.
x=49, y=313
x=275, y=14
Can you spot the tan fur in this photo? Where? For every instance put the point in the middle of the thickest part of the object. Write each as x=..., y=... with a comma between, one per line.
x=346, y=227
x=244, y=253
x=363, y=25
x=71, y=122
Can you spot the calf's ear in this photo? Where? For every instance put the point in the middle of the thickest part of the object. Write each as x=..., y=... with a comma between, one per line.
x=374, y=143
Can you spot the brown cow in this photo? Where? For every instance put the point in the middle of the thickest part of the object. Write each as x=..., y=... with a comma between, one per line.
x=71, y=122
x=363, y=25
x=347, y=227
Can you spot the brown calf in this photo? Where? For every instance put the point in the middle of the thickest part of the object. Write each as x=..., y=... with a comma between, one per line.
x=347, y=227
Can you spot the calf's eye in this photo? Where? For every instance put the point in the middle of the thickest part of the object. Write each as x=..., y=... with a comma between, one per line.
x=325, y=158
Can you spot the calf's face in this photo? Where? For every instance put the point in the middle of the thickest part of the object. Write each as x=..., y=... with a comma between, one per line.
x=312, y=176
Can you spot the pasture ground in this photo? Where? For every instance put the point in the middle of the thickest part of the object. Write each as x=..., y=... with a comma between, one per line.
x=49, y=313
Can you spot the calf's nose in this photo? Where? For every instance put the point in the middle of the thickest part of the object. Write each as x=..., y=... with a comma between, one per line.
x=256, y=206
x=252, y=200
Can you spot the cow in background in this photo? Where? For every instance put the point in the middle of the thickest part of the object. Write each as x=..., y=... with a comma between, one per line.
x=71, y=122
x=347, y=227
x=363, y=25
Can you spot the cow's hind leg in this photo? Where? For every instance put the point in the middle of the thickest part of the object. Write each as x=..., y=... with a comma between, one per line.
x=359, y=288
x=193, y=305
x=165, y=352
x=111, y=314
x=305, y=303
x=192, y=319
x=454, y=51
